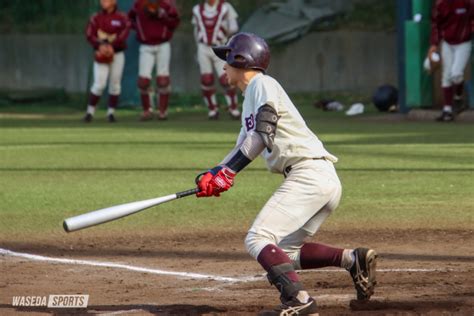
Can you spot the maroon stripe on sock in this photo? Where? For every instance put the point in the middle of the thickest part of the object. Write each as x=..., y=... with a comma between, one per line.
x=271, y=256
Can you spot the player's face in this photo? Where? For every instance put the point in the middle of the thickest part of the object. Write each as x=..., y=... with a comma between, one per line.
x=211, y=2
x=108, y=5
x=233, y=74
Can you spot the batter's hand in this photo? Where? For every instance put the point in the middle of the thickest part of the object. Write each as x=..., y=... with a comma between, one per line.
x=216, y=181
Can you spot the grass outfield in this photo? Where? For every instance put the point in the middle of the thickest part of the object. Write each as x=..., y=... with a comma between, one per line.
x=394, y=175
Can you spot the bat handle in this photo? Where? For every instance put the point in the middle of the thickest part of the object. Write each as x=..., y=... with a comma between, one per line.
x=187, y=193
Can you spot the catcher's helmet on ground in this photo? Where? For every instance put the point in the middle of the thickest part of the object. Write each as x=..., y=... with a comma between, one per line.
x=245, y=50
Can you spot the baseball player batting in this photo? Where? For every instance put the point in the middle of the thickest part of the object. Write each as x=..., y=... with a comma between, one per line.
x=107, y=32
x=214, y=21
x=273, y=127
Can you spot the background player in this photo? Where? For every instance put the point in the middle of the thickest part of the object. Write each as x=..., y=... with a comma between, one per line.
x=451, y=33
x=214, y=22
x=155, y=23
x=273, y=127
x=107, y=32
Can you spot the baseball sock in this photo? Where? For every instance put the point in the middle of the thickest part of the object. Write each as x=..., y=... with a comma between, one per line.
x=164, y=99
x=448, y=94
x=93, y=100
x=458, y=90
x=314, y=255
x=231, y=98
x=113, y=102
x=210, y=98
x=272, y=256
x=145, y=98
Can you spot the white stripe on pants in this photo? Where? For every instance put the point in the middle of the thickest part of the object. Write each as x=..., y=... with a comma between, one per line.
x=454, y=60
x=113, y=72
x=297, y=209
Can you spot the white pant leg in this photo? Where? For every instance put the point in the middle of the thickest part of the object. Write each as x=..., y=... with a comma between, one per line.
x=204, y=58
x=116, y=71
x=218, y=65
x=447, y=58
x=146, y=60
x=101, y=73
x=163, y=57
x=462, y=54
x=297, y=209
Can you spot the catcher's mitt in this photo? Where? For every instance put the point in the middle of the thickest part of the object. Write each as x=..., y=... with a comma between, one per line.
x=105, y=54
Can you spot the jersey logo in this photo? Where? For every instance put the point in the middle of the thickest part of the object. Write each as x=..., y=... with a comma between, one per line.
x=461, y=11
x=116, y=23
x=249, y=122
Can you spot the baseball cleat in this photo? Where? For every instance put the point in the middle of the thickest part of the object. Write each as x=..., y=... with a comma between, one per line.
x=162, y=117
x=294, y=307
x=234, y=114
x=88, y=118
x=363, y=272
x=111, y=118
x=445, y=117
x=146, y=116
x=213, y=115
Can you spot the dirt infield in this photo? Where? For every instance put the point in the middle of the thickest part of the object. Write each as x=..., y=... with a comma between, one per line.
x=420, y=272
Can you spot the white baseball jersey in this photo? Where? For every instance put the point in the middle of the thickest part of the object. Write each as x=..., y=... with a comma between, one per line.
x=214, y=24
x=294, y=141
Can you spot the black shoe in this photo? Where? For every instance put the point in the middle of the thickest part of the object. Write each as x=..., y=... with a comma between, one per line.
x=88, y=118
x=111, y=118
x=363, y=272
x=295, y=307
x=445, y=117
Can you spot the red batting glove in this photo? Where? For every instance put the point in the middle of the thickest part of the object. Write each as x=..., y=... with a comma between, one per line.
x=214, y=185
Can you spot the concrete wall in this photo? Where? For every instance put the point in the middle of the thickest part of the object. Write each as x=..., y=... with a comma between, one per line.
x=341, y=60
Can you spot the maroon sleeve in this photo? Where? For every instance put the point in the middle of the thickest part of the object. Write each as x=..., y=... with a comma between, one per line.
x=172, y=18
x=123, y=35
x=91, y=32
x=435, y=32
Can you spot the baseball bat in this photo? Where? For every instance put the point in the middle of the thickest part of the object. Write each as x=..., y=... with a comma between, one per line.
x=115, y=212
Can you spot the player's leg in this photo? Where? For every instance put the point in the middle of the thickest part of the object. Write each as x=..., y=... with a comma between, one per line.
x=447, y=60
x=101, y=72
x=163, y=81
x=207, y=80
x=115, y=84
x=462, y=53
x=230, y=91
x=146, y=63
x=303, y=193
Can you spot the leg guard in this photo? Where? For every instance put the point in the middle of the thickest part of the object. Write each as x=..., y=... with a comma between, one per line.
x=277, y=275
x=208, y=91
x=144, y=86
x=164, y=89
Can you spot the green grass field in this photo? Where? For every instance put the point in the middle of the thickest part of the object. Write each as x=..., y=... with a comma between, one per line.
x=399, y=175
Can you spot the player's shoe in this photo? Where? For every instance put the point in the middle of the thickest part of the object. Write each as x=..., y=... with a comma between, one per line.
x=213, y=115
x=445, y=117
x=294, y=307
x=146, y=116
x=363, y=272
x=111, y=118
x=162, y=116
x=234, y=114
x=88, y=118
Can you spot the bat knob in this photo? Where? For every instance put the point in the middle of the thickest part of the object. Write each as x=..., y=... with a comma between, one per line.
x=66, y=228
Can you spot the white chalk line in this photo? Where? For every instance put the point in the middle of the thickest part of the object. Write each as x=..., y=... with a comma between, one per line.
x=185, y=275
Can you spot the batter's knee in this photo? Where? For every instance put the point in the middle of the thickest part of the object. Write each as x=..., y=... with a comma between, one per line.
x=164, y=84
x=255, y=242
x=143, y=83
x=207, y=80
x=115, y=89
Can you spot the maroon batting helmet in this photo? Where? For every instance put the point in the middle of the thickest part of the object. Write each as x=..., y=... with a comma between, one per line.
x=245, y=50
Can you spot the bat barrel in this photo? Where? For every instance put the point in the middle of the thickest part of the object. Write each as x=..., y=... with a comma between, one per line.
x=111, y=213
